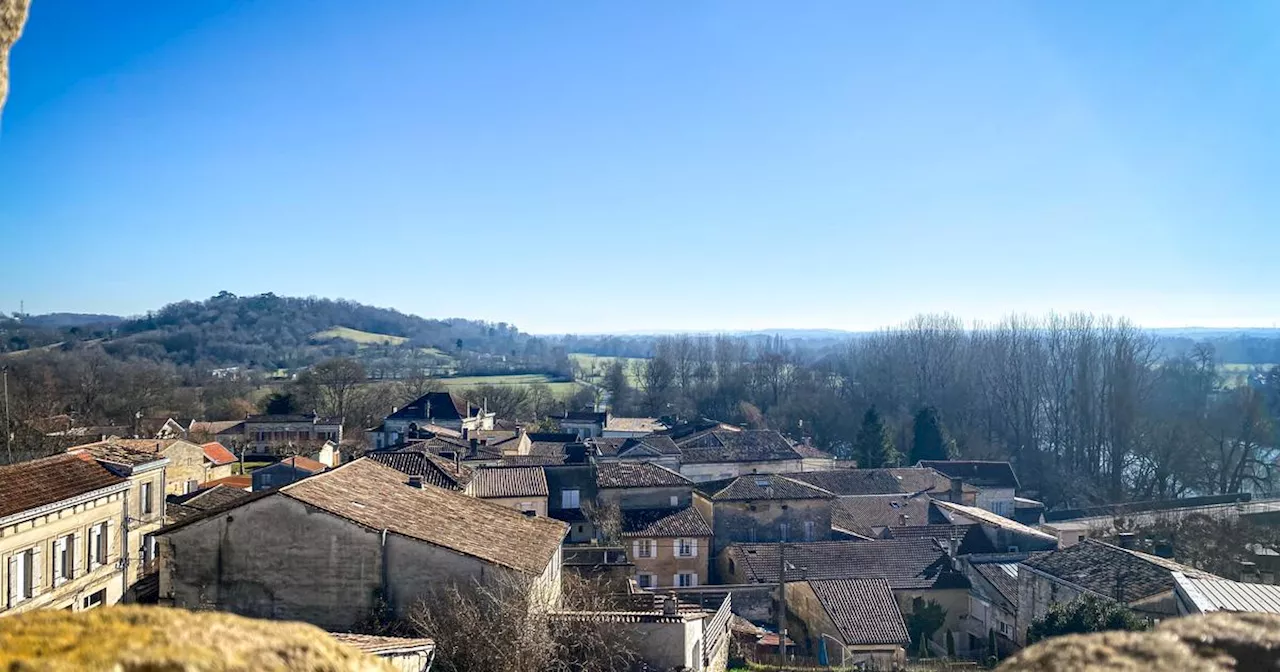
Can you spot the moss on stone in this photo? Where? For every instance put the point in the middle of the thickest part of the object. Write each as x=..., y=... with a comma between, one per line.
x=157, y=639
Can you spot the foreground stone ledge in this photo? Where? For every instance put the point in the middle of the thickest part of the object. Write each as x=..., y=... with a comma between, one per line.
x=1214, y=642
x=154, y=638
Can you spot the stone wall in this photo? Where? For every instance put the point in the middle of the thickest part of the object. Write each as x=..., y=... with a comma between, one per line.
x=761, y=521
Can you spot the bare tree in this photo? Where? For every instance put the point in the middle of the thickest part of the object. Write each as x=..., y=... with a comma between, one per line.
x=333, y=382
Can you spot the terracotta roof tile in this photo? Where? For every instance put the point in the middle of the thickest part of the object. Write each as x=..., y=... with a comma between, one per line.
x=28, y=485
x=672, y=522
x=864, y=515
x=433, y=469
x=905, y=563
x=218, y=454
x=751, y=445
x=378, y=497
x=490, y=482
x=305, y=464
x=761, y=486
x=863, y=610
x=112, y=452
x=637, y=475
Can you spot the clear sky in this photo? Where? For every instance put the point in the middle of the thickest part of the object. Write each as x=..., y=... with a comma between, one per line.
x=665, y=165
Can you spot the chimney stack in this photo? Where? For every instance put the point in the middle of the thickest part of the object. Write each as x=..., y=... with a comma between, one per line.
x=1126, y=540
x=415, y=482
x=669, y=606
x=957, y=491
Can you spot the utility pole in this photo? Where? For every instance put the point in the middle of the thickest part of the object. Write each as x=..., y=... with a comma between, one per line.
x=8, y=427
x=782, y=594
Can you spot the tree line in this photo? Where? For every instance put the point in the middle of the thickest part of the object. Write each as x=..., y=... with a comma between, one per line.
x=1085, y=407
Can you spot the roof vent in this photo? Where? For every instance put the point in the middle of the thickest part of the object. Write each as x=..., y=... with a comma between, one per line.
x=415, y=482
x=762, y=482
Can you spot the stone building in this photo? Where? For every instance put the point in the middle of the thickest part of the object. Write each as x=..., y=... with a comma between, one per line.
x=218, y=461
x=284, y=434
x=717, y=454
x=764, y=508
x=996, y=482
x=146, y=472
x=670, y=547
x=432, y=410
x=62, y=528
x=847, y=623
x=285, y=471
x=641, y=485
x=334, y=548
x=185, y=470
x=521, y=488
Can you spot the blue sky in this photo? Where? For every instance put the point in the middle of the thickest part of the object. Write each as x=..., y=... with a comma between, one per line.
x=667, y=165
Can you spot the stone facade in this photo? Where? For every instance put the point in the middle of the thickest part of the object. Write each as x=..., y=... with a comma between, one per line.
x=765, y=520
x=676, y=496
x=808, y=624
x=713, y=471
x=660, y=562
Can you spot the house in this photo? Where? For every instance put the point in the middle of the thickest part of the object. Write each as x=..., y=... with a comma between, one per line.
x=442, y=409
x=330, y=549
x=1006, y=535
x=848, y=623
x=655, y=448
x=1203, y=595
x=890, y=481
x=671, y=547
x=630, y=428
x=218, y=461
x=285, y=434
x=181, y=507
x=208, y=430
x=403, y=654
x=284, y=472
x=667, y=634
x=185, y=470
x=61, y=521
x=718, y=454
x=764, y=508
x=520, y=488
x=993, y=601
x=870, y=516
x=918, y=571
x=995, y=481
x=145, y=500
x=582, y=424
x=813, y=459
x=571, y=483
x=431, y=468
x=244, y=483
x=1142, y=582
x=545, y=444
x=641, y=485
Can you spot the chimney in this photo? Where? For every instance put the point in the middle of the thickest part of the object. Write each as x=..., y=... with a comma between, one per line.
x=457, y=462
x=957, y=491
x=473, y=447
x=1126, y=540
x=669, y=606
x=575, y=453
x=415, y=482
x=465, y=433
x=530, y=514
x=902, y=519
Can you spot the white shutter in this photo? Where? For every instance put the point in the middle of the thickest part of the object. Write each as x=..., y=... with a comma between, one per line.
x=14, y=585
x=675, y=549
x=693, y=544
x=693, y=580
x=37, y=573
x=675, y=580
x=635, y=549
x=59, y=547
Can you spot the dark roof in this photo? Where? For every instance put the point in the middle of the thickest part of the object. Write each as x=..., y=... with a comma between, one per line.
x=863, y=610
x=620, y=447
x=1111, y=571
x=861, y=515
x=804, y=450
x=509, y=482
x=970, y=538
x=378, y=497
x=1003, y=576
x=433, y=469
x=687, y=429
x=760, y=486
x=553, y=437
x=530, y=460
x=36, y=483
x=636, y=475
x=852, y=482
x=686, y=522
x=210, y=498
x=581, y=416
x=293, y=417
x=750, y=445
x=973, y=472
x=433, y=406
x=905, y=563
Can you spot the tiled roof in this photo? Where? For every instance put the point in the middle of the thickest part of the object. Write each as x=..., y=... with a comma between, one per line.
x=986, y=517
x=1111, y=571
x=761, y=486
x=530, y=460
x=905, y=563
x=548, y=448
x=292, y=418
x=378, y=645
x=378, y=497
x=636, y=475
x=213, y=427
x=492, y=482
x=218, y=454
x=209, y=498
x=851, y=482
x=685, y=522
x=236, y=427
x=656, y=444
x=493, y=437
x=969, y=538
x=113, y=452
x=974, y=472
x=433, y=406
x=1003, y=576
x=616, y=424
x=152, y=446
x=32, y=484
x=305, y=463
x=580, y=416
x=863, y=610
x=241, y=482
x=860, y=515
x=752, y=445
x=433, y=469
x=811, y=452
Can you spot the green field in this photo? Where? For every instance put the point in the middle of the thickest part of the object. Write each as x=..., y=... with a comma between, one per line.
x=591, y=368
x=361, y=337
x=1235, y=374
x=559, y=389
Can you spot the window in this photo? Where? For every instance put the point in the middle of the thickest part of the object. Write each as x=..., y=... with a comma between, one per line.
x=644, y=548
x=192, y=486
x=1006, y=629
x=147, y=504
x=808, y=530
x=569, y=499
x=21, y=576
x=783, y=529
x=686, y=580
x=64, y=553
x=687, y=548
x=644, y=580
x=96, y=599
x=675, y=500
x=97, y=549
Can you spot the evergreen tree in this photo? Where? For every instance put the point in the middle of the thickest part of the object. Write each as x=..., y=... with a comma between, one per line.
x=951, y=644
x=930, y=438
x=1087, y=613
x=874, y=448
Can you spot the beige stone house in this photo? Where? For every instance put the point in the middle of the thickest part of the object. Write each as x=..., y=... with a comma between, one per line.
x=61, y=530
x=519, y=488
x=219, y=462
x=848, y=623
x=669, y=547
x=336, y=547
x=718, y=454
x=641, y=485
x=764, y=508
x=146, y=500
x=186, y=469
